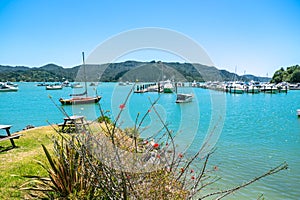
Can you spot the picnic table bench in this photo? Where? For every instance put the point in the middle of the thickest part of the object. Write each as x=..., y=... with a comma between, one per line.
x=8, y=136
x=73, y=123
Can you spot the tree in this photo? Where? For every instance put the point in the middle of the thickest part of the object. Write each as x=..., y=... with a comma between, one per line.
x=295, y=78
x=288, y=75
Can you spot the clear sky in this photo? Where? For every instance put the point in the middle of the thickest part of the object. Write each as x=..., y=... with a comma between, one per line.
x=256, y=36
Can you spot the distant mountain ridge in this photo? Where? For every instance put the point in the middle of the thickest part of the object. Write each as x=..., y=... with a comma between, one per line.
x=123, y=71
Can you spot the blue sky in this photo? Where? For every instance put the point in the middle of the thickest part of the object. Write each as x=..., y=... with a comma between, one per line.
x=253, y=36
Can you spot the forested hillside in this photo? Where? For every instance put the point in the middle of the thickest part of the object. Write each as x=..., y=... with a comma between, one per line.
x=291, y=74
x=123, y=71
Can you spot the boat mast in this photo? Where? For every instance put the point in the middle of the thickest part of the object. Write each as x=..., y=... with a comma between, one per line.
x=85, y=84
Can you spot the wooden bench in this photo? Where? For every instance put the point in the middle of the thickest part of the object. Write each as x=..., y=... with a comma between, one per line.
x=72, y=123
x=8, y=136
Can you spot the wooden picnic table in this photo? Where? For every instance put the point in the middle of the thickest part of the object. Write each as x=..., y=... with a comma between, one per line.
x=8, y=135
x=71, y=122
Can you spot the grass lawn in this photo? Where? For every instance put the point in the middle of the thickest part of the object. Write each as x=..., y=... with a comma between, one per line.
x=19, y=161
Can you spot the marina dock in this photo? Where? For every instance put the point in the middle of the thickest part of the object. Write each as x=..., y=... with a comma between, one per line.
x=230, y=87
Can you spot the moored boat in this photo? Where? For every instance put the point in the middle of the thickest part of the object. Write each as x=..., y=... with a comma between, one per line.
x=7, y=88
x=94, y=84
x=294, y=86
x=66, y=83
x=236, y=88
x=168, y=87
x=269, y=88
x=42, y=84
x=184, y=98
x=11, y=84
x=76, y=85
x=194, y=83
x=153, y=88
x=54, y=87
x=80, y=98
x=252, y=89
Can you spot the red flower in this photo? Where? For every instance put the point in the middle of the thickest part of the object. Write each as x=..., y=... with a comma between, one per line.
x=193, y=177
x=158, y=156
x=180, y=155
x=149, y=110
x=216, y=168
x=122, y=106
x=192, y=171
x=155, y=145
x=182, y=170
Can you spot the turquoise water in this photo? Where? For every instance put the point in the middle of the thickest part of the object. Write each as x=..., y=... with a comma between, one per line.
x=260, y=131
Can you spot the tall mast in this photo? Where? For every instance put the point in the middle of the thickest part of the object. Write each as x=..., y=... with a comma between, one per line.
x=85, y=84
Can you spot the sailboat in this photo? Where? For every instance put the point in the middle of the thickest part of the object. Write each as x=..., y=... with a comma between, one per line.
x=82, y=98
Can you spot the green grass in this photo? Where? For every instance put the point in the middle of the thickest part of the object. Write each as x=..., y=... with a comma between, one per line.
x=19, y=161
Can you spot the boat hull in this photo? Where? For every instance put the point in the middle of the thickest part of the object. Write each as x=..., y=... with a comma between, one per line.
x=80, y=100
x=9, y=90
x=184, y=101
x=53, y=87
x=168, y=90
x=236, y=91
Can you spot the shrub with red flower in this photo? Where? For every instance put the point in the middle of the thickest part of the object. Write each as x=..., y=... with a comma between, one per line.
x=155, y=146
x=122, y=106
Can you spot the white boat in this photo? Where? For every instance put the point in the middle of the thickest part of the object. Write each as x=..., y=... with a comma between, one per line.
x=152, y=88
x=66, y=83
x=11, y=84
x=236, y=88
x=283, y=87
x=54, y=87
x=94, y=83
x=252, y=89
x=42, y=84
x=76, y=85
x=269, y=88
x=294, y=86
x=184, y=98
x=122, y=84
x=194, y=83
x=168, y=87
x=179, y=84
x=7, y=88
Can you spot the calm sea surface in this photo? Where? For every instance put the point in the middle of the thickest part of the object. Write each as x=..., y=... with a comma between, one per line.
x=254, y=132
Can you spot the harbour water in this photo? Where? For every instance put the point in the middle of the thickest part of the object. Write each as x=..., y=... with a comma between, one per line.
x=258, y=131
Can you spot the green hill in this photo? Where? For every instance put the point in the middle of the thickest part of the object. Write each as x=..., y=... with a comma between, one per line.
x=123, y=71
